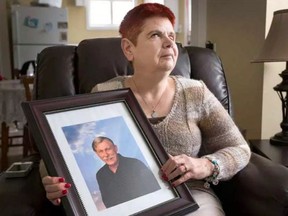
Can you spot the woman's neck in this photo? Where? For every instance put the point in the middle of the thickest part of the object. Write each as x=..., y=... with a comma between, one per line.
x=150, y=93
x=147, y=85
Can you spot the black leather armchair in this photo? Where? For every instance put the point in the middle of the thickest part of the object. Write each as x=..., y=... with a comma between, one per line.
x=260, y=189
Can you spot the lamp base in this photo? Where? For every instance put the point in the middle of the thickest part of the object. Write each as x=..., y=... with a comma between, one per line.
x=279, y=139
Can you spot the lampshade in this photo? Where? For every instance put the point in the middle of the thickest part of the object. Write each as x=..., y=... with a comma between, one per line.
x=275, y=48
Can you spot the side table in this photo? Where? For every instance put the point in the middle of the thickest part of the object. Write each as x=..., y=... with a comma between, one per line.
x=277, y=154
x=25, y=196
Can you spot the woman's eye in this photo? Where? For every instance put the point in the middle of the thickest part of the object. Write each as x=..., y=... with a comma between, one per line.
x=172, y=37
x=155, y=35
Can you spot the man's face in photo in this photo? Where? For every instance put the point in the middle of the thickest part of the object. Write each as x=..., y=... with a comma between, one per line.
x=107, y=152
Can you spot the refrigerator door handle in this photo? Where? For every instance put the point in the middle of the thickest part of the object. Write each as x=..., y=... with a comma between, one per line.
x=15, y=31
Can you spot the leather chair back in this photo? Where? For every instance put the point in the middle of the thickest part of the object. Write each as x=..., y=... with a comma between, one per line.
x=70, y=70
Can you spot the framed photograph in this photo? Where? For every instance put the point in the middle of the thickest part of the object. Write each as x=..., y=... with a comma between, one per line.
x=103, y=144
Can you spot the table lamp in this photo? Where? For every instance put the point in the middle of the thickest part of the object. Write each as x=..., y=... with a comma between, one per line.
x=275, y=49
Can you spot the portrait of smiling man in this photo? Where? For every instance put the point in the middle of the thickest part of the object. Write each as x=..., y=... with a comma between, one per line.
x=121, y=178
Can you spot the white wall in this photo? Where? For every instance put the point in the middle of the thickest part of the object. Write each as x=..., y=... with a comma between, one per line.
x=199, y=23
x=271, y=109
x=238, y=28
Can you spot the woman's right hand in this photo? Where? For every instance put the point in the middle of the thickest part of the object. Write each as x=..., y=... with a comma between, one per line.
x=55, y=188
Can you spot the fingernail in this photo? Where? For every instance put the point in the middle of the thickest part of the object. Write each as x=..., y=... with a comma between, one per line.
x=64, y=192
x=173, y=185
x=67, y=185
x=58, y=201
x=164, y=177
x=61, y=179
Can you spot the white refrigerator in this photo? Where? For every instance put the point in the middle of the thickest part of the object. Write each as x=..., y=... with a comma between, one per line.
x=35, y=28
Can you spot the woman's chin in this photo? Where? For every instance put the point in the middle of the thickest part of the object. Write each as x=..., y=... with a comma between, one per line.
x=168, y=67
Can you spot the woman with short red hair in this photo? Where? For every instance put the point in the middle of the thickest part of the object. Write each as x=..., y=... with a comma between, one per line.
x=204, y=144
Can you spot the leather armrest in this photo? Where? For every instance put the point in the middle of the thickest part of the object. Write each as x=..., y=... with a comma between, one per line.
x=261, y=188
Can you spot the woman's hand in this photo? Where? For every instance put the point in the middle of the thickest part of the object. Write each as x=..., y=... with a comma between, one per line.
x=55, y=188
x=181, y=168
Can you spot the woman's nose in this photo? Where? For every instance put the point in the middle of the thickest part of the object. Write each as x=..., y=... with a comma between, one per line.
x=168, y=42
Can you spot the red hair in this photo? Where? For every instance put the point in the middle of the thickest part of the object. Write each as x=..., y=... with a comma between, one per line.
x=131, y=25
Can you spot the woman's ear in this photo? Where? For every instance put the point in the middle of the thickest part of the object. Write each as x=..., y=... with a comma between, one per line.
x=127, y=46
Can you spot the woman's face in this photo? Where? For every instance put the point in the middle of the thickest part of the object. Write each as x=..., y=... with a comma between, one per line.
x=156, y=49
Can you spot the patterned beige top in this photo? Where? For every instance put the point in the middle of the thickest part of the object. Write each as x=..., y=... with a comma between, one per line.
x=198, y=125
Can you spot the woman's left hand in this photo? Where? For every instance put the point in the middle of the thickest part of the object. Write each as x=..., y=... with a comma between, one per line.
x=180, y=168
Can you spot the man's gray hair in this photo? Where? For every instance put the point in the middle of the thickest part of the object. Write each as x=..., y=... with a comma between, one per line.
x=99, y=140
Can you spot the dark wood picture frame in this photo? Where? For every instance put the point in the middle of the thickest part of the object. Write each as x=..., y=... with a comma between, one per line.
x=36, y=113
